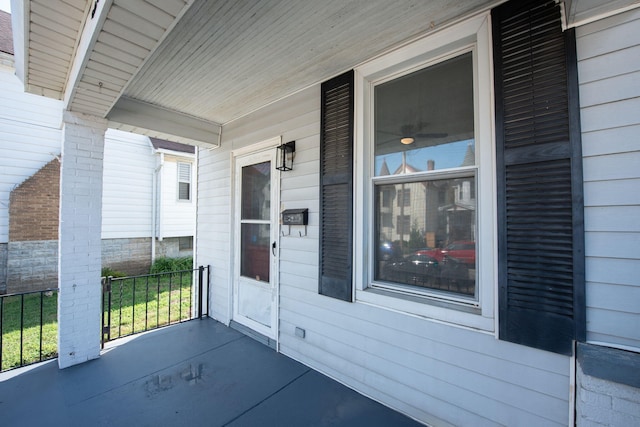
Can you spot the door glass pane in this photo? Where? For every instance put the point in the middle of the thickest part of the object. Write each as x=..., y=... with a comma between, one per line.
x=256, y=191
x=255, y=249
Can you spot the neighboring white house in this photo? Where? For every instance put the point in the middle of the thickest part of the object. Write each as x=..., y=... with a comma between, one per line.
x=545, y=332
x=148, y=193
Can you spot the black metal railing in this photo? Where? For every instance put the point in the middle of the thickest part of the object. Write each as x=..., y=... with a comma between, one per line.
x=135, y=304
x=28, y=328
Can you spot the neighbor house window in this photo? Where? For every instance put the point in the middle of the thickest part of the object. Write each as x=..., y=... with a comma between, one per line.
x=184, y=181
x=424, y=131
x=185, y=243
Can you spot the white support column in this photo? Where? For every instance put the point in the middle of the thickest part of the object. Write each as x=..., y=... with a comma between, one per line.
x=79, y=252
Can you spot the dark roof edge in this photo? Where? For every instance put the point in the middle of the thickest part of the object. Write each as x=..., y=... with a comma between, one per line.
x=173, y=146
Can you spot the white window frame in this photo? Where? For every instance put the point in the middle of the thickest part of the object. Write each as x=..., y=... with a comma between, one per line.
x=190, y=182
x=475, y=34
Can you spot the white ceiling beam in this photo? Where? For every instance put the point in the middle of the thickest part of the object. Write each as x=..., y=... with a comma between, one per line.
x=20, y=26
x=175, y=126
x=92, y=27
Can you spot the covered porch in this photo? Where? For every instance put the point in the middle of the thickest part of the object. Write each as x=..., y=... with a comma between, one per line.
x=195, y=373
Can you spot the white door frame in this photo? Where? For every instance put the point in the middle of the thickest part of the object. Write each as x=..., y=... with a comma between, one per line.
x=262, y=151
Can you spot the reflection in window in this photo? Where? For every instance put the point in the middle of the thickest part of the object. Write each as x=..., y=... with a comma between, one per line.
x=256, y=191
x=424, y=121
x=433, y=243
x=255, y=228
x=404, y=197
x=254, y=251
x=424, y=124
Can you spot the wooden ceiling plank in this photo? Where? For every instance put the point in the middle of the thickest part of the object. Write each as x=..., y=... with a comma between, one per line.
x=54, y=80
x=74, y=10
x=115, y=63
x=43, y=40
x=59, y=67
x=86, y=107
x=112, y=52
x=90, y=80
x=130, y=34
x=88, y=85
x=173, y=7
x=100, y=98
x=105, y=77
x=146, y=11
x=127, y=19
x=47, y=54
x=107, y=69
x=52, y=26
x=123, y=45
x=53, y=13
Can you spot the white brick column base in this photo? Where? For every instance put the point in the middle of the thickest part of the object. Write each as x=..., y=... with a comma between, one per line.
x=79, y=251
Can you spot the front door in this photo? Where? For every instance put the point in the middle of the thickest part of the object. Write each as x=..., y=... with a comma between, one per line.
x=256, y=231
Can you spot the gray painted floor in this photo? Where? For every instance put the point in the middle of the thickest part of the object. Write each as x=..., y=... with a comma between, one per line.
x=198, y=373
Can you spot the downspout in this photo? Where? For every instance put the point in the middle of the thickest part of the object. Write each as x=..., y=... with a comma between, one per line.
x=159, y=183
x=155, y=202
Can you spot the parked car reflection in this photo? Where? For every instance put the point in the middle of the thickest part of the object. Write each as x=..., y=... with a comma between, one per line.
x=452, y=268
x=388, y=251
x=416, y=269
x=463, y=251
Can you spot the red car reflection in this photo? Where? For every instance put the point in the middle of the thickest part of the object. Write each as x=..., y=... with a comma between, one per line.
x=463, y=251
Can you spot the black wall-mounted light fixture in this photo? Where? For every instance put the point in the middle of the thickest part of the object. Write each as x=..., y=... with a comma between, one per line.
x=284, y=160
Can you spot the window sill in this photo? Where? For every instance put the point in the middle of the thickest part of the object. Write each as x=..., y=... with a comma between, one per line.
x=459, y=314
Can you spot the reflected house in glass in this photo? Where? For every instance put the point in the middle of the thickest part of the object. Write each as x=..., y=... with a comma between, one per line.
x=448, y=206
x=424, y=120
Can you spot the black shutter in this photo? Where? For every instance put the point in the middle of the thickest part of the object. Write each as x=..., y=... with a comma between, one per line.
x=336, y=187
x=539, y=162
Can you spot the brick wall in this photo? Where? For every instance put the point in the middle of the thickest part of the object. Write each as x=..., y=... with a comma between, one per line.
x=79, y=311
x=170, y=247
x=32, y=266
x=34, y=206
x=603, y=403
x=130, y=256
x=608, y=386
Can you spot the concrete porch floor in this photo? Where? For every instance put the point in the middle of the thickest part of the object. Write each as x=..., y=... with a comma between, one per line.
x=196, y=373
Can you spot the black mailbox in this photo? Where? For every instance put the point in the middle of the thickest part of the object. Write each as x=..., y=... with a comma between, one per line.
x=295, y=217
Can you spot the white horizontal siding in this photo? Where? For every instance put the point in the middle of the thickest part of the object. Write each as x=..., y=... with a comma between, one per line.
x=178, y=216
x=609, y=71
x=129, y=163
x=29, y=138
x=430, y=370
x=214, y=225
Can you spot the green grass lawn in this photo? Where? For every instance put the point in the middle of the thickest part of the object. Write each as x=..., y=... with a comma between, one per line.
x=33, y=306
x=157, y=301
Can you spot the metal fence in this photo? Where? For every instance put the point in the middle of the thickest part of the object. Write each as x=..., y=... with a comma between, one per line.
x=130, y=305
x=135, y=304
x=28, y=328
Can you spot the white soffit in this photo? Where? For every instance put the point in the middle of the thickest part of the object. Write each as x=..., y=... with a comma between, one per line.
x=581, y=12
x=225, y=59
x=128, y=31
x=51, y=29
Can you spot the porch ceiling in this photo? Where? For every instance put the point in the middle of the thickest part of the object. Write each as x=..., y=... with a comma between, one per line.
x=178, y=69
x=225, y=59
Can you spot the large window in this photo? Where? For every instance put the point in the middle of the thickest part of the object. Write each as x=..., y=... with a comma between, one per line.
x=425, y=132
x=424, y=152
